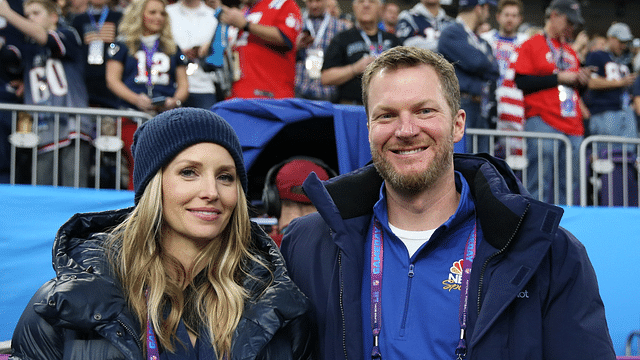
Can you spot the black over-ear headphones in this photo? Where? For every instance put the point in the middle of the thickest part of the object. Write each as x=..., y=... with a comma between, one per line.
x=270, y=196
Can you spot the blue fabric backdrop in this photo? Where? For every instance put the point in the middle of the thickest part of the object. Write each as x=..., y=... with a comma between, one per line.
x=257, y=121
x=30, y=217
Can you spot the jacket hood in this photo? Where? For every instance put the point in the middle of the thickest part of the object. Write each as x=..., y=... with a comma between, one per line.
x=491, y=182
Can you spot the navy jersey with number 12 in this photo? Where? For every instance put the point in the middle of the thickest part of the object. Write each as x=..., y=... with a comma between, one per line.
x=134, y=74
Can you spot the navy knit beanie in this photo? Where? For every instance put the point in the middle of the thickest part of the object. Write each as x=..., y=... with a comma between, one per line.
x=159, y=140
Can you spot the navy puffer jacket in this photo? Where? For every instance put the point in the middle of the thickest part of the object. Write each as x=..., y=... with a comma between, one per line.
x=82, y=313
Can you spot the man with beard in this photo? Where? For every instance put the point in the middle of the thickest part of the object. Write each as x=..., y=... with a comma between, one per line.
x=427, y=255
x=508, y=104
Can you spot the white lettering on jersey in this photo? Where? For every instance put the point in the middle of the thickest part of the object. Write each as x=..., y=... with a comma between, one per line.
x=276, y=4
x=159, y=69
x=47, y=80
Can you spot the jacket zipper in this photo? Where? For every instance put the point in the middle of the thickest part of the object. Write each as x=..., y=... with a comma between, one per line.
x=486, y=263
x=406, y=303
x=133, y=335
x=344, y=328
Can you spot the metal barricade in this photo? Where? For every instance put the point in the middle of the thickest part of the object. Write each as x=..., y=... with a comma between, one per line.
x=5, y=347
x=26, y=137
x=519, y=163
x=628, y=349
x=613, y=171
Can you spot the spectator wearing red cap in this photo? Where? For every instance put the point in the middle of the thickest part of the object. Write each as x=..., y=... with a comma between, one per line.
x=282, y=195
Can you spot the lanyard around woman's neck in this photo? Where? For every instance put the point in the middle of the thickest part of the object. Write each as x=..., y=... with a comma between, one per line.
x=153, y=352
x=377, y=261
x=152, y=345
x=149, y=64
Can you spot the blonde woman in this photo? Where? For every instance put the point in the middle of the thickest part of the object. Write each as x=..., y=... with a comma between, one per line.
x=144, y=67
x=184, y=274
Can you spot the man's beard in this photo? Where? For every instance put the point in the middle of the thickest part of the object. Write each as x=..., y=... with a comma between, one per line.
x=416, y=182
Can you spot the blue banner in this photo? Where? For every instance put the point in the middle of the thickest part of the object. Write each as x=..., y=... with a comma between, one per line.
x=31, y=215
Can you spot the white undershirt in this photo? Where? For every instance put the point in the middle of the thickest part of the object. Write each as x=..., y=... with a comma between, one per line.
x=412, y=239
x=194, y=27
x=150, y=40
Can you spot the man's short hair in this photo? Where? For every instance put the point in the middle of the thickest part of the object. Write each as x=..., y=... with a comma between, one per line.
x=50, y=6
x=504, y=3
x=379, y=1
x=408, y=56
x=468, y=5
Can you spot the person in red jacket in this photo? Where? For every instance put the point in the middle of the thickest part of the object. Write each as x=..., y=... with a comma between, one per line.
x=264, y=50
x=549, y=74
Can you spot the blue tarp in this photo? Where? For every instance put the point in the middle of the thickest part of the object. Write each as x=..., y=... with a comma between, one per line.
x=258, y=121
x=30, y=217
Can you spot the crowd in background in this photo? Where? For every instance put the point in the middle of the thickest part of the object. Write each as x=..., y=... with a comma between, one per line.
x=187, y=264
x=153, y=55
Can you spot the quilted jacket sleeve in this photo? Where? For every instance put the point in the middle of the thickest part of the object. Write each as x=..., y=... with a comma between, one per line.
x=34, y=338
x=294, y=342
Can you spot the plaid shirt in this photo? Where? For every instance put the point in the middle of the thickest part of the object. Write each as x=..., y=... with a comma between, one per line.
x=312, y=88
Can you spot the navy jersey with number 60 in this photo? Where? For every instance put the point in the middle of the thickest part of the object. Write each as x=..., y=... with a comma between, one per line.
x=54, y=76
x=134, y=74
x=54, y=73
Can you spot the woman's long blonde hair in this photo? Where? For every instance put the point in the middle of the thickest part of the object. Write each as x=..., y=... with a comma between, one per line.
x=136, y=253
x=131, y=28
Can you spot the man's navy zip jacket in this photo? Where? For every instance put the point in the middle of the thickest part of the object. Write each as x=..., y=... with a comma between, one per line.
x=523, y=248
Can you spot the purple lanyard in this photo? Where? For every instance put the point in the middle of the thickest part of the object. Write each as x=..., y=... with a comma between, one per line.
x=152, y=344
x=377, y=259
x=469, y=255
x=149, y=58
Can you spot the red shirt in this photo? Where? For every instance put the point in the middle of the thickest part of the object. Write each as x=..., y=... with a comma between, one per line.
x=536, y=58
x=268, y=71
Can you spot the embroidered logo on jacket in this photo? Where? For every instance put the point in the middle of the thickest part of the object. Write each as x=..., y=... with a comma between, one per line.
x=455, y=276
